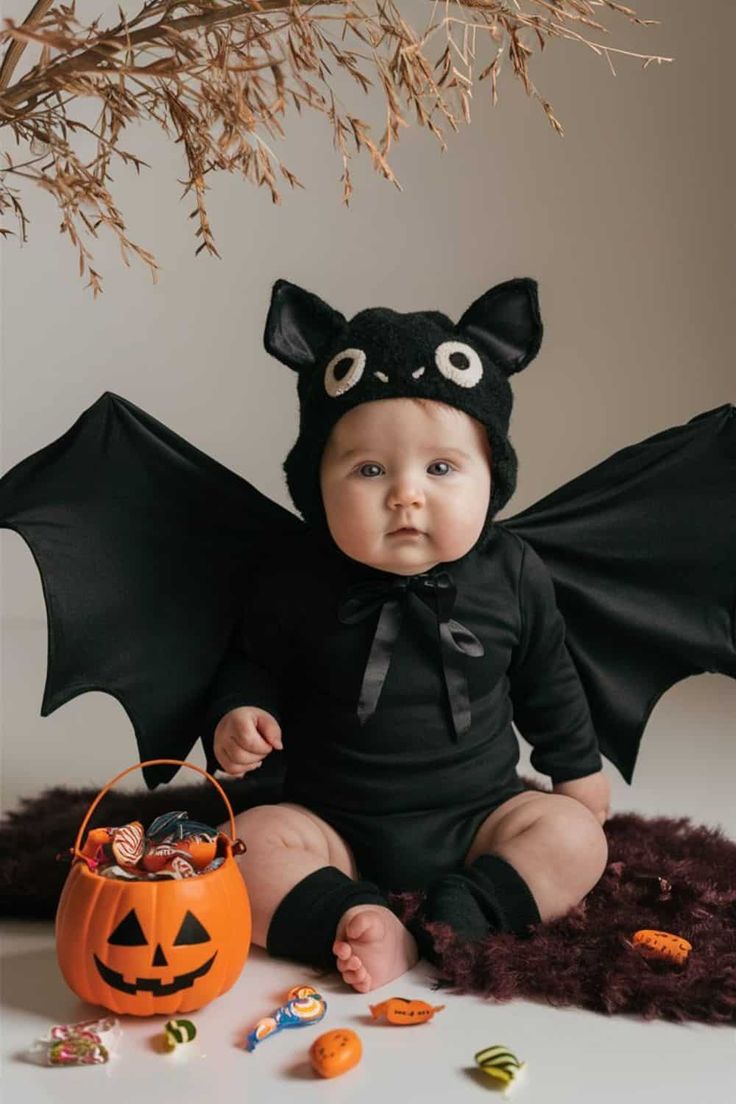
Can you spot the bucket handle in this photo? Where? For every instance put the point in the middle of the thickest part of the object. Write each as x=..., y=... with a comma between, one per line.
x=152, y=763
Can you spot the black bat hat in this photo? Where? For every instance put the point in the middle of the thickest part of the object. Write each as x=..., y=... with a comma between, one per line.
x=384, y=354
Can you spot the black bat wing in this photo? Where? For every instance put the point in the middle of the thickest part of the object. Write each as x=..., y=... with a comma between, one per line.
x=642, y=551
x=145, y=546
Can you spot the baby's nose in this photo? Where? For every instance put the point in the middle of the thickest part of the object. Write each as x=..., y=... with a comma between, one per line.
x=406, y=492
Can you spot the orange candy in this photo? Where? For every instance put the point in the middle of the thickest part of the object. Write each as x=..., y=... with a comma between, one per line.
x=202, y=851
x=662, y=945
x=335, y=1052
x=96, y=838
x=398, y=1010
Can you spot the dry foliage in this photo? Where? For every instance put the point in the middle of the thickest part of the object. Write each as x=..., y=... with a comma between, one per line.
x=218, y=77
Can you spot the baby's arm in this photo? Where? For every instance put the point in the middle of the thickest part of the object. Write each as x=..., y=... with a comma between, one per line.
x=550, y=708
x=242, y=723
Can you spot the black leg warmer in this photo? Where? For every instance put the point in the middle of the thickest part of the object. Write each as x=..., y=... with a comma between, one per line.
x=487, y=896
x=304, y=923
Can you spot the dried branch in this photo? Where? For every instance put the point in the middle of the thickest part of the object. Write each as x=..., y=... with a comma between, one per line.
x=219, y=77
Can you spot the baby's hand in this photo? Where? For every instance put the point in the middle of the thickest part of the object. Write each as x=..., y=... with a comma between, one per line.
x=243, y=739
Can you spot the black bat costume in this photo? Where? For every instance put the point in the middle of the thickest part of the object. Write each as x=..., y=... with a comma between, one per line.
x=176, y=586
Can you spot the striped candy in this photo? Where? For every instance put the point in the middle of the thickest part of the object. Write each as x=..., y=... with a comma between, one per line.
x=127, y=843
x=498, y=1062
x=178, y=1031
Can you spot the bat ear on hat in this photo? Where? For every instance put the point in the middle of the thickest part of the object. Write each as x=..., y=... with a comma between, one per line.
x=299, y=325
x=506, y=324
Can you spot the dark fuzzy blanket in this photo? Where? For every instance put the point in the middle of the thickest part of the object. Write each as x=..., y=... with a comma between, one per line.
x=663, y=873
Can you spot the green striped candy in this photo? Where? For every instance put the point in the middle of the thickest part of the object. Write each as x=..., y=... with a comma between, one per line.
x=497, y=1061
x=179, y=1031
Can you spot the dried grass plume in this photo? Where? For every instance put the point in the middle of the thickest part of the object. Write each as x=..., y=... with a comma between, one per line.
x=218, y=78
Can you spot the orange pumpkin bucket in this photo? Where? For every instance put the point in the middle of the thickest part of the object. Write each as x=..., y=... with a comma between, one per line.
x=145, y=948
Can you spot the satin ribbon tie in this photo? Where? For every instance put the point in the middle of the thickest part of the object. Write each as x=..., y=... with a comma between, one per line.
x=438, y=592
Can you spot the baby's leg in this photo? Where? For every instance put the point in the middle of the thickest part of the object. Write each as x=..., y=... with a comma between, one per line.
x=533, y=858
x=553, y=842
x=284, y=844
x=301, y=874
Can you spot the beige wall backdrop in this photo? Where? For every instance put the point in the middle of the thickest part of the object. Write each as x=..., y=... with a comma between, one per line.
x=626, y=222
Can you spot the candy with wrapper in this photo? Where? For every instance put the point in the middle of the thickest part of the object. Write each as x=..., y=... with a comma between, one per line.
x=399, y=1010
x=177, y=1032
x=500, y=1064
x=173, y=846
x=87, y=1043
x=662, y=946
x=304, y=1006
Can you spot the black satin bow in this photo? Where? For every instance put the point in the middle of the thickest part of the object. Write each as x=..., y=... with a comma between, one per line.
x=439, y=593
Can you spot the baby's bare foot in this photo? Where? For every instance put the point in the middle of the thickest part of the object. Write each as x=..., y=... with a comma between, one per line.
x=372, y=947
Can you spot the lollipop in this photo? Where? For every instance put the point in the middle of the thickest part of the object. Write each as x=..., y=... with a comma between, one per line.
x=307, y=1007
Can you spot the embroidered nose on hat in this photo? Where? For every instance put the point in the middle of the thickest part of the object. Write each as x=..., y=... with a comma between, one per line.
x=438, y=591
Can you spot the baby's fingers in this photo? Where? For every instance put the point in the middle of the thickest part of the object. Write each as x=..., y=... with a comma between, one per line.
x=270, y=730
x=237, y=762
x=246, y=738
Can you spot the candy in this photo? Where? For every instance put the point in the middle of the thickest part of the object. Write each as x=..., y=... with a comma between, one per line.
x=398, y=1010
x=77, y=1052
x=108, y=1025
x=115, y=871
x=335, y=1052
x=127, y=843
x=156, y=857
x=301, y=991
x=173, y=847
x=661, y=945
x=298, y=1011
x=199, y=852
x=500, y=1064
x=95, y=842
x=182, y=867
x=177, y=826
x=178, y=1031
x=87, y=1043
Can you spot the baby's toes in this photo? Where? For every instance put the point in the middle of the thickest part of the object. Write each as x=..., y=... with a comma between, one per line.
x=365, y=923
x=359, y=978
x=343, y=951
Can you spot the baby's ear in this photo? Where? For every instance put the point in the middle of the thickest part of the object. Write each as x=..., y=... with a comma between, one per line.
x=299, y=325
x=505, y=322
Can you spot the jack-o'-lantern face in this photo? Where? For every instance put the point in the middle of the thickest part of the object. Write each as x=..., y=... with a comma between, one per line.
x=152, y=948
x=129, y=933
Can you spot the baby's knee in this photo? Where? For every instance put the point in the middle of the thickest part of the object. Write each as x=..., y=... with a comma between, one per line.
x=275, y=827
x=580, y=838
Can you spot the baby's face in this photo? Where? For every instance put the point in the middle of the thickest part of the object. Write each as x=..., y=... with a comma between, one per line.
x=393, y=463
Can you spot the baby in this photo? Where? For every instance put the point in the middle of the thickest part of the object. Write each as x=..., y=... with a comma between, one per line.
x=406, y=485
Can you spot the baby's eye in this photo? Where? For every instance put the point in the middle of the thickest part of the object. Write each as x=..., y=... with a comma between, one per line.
x=376, y=468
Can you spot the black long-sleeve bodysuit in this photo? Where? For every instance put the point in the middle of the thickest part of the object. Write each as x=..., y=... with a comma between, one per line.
x=403, y=789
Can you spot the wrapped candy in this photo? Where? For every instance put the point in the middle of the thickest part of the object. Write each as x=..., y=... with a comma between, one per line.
x=173, y=846
x=87, y=1043
x=127, y=843
x=177, y=1032
x=500, y=1064
x=399, y=1010
x=663, y=946
x=304, y=1005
